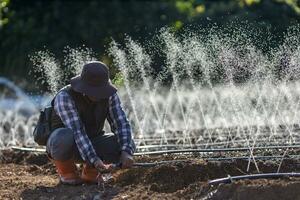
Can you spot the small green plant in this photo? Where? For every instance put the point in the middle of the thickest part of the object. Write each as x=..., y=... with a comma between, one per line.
x=4, y=12
x=118, y=80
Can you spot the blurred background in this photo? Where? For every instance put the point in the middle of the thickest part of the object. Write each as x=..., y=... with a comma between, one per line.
x=29, y=26
x=184, y=67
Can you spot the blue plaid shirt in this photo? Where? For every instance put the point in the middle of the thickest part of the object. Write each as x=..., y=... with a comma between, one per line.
x=65, y=108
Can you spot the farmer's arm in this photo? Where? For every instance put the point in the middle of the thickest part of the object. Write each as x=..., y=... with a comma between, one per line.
x=65, y=108
x=120, y=125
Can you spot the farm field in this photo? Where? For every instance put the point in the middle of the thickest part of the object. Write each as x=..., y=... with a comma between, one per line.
x=27, y=175
x=203, y=98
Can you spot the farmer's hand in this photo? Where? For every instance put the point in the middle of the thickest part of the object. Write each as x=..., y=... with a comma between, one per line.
x=99, y=165
x=126, y=160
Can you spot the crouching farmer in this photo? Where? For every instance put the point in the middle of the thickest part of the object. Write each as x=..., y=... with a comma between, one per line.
x=80, y=110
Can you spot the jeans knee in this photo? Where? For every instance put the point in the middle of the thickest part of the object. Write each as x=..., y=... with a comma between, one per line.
x=107, y=147
x=114, y=144
x=60, y=144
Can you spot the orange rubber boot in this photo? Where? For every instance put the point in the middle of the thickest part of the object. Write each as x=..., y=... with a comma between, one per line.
x=67, y=172
x=90, y=174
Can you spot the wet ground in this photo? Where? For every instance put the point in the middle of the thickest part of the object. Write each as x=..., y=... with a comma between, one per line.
x=26, y=175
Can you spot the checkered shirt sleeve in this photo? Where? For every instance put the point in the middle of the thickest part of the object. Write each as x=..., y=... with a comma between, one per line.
x=120, y=125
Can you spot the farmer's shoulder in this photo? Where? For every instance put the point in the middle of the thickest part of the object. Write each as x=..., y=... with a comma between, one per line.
x=114, y=96
x=63, y=93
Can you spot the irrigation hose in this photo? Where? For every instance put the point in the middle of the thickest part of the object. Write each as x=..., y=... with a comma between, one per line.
x=259, y=143
x=30, y=149
x=289, y=157
x=181, y=150
x=194, y=146
x=213, y=150
x=153, y=164
x=230, y=179
x=147, y=164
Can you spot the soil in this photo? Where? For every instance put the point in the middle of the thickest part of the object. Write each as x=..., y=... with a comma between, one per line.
x=27, y=175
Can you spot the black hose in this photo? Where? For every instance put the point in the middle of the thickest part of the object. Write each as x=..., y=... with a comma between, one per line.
x=193, y=146
x=181, y=150
x=29, y=149
x=213, y=150
x=153, y=164
x=289, y=157
x=230, y=179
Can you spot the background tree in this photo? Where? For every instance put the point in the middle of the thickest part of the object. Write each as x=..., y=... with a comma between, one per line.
x=29, y=26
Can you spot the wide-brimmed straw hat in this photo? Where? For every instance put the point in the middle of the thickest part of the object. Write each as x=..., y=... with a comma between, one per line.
x=94, y=81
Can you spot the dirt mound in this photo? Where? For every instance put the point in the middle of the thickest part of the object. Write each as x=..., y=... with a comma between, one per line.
x=287, y=189
x=31, y=176
x=176, y=176
x=165, y=178
x=23, y=157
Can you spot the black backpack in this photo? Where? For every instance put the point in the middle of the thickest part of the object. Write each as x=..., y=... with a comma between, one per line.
x=42, y=130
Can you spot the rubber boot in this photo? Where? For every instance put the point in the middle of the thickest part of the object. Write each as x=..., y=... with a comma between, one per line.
x=90, y=174
x=67, y=172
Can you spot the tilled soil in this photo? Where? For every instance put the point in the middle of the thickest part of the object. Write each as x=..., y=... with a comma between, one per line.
x=26, y=175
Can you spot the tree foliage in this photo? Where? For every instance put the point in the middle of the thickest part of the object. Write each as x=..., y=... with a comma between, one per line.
x=4, y=12
x=29, y=26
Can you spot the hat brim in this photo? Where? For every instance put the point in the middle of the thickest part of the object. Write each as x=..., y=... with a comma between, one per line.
x=98, y=92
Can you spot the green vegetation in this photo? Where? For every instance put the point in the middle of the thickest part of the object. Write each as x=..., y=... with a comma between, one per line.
x=29, y=26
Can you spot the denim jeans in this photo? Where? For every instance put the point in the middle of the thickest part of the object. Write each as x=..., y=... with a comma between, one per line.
x=61, y=146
